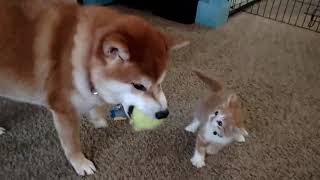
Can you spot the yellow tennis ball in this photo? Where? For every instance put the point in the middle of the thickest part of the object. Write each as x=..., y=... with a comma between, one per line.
x=142, y=122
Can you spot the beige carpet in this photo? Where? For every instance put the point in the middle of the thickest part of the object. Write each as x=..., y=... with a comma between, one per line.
x=275, y=69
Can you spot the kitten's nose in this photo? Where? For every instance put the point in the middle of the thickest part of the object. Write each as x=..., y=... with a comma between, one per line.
x=162, y=114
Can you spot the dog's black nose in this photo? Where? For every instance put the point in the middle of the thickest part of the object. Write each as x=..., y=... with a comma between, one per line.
x=130, y=110
x=162, y=114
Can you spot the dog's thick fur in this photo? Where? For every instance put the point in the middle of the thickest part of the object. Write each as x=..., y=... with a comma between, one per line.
x=219, y=120
x=55, y=53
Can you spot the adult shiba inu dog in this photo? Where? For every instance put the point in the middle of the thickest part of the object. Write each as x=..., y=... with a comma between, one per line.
x=72, y=59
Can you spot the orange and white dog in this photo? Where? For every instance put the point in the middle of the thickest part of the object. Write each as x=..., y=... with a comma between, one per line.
x=218, y=120
x=73, y=59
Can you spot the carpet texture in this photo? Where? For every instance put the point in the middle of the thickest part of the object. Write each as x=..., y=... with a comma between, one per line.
x=273, y=67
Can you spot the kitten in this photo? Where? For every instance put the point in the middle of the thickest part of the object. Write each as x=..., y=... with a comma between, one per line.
x=218, y=119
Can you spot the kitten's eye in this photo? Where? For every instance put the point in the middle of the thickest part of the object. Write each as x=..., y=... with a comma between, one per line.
x=215, y=133
x=216, y=113
x=139, y=87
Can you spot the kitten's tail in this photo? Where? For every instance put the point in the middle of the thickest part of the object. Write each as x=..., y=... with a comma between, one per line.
x=214, y=84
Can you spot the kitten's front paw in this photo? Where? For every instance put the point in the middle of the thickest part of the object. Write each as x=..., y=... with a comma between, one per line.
x=2, y=130
x=192, y=127
x=197, y=161
x=189, y=129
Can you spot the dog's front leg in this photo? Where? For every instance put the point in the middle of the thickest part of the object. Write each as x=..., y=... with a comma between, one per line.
x=68, y=127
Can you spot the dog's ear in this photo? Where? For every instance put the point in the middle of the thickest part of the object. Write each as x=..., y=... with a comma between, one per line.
x=175, y=43
x=114, y=47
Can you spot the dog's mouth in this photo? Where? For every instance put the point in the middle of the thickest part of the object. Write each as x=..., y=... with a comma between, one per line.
x=159, y=115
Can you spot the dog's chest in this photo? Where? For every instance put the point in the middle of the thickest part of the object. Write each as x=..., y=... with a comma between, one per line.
x=84, y=104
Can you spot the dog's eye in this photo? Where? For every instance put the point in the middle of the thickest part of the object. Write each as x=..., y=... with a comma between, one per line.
x=215, y=133
x=140, y=87
x=216, y=113
x=219, y=123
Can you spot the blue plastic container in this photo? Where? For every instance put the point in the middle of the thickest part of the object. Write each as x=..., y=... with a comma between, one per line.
x=98, y=2
x=212, y=13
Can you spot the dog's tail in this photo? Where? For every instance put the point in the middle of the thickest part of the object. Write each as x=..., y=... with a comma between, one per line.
x=214, y=84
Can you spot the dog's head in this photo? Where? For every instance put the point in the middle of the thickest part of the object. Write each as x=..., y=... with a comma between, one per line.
x=129, y=64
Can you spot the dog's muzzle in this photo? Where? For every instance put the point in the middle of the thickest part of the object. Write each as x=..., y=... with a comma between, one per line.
x=159, y=115
x=130, y=110
x=162, y=114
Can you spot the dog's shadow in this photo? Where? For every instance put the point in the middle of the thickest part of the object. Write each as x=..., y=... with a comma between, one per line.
x=15, y=114
x=123, y=148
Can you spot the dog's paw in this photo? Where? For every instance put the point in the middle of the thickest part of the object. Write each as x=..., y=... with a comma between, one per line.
x=83, y=166
x=197, y=162
x=2, y=130
x=100, y=123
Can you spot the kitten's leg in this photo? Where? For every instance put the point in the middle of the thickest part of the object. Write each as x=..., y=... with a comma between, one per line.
x=199, y=154
x=193, y=126
x=2, y=130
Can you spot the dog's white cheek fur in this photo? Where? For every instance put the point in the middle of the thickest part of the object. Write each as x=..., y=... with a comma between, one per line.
x=116, y=92
x=163, y=100
x=112, y=91
x=162, y=97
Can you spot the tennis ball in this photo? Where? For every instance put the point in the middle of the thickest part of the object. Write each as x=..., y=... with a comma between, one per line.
x=142, y=122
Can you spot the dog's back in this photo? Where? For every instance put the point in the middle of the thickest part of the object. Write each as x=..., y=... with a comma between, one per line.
x=26, y=44
x=17, y=35
x=16, y=40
